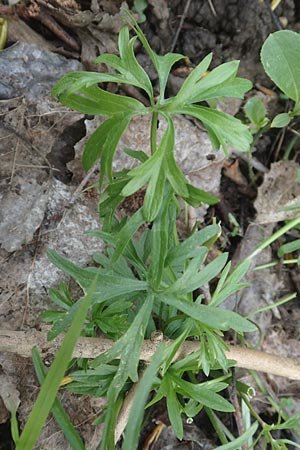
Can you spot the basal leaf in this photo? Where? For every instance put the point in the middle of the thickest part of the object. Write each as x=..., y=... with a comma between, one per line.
x=127, y=349
x=126, y=233
x=189, y=247
x=218, y=318
x=203, y=395
x=174, y=407
x=107, y=286
x=194, y=277
x=231, y=283
x=129, y=345
x=280, y=58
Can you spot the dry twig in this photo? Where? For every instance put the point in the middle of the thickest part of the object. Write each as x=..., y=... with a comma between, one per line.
x=21, y=343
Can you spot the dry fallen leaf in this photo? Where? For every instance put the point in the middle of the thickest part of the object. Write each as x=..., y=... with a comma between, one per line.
x=280, y=189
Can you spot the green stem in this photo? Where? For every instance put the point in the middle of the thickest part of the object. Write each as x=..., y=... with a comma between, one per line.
x=293, y=223
x=252, y=411
x=254, y=414
x=154, y=123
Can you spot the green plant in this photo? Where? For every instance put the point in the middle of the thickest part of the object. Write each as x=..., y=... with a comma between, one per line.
x=140, y=6
x=149, y=280
x=279, y=57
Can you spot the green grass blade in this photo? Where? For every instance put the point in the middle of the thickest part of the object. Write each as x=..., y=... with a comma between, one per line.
x=47, y=394
x=57, y=409
x=236, y=444
x=14, y=425
x=140, y=399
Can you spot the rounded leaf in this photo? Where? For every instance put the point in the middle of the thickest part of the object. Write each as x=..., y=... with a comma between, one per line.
x=280, y=58
x=281, y=120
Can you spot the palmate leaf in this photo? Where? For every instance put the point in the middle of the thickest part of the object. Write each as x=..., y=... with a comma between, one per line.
x=119, y=110
x=194, y=277
x=108, y=287
x=152, y=172
x=227, y=129
x=156, y=170
x=161, y=63
x=221, y=319
x=103, y=143
x=201, y=393
x=228, y=285
x=130, y=71
x=96, y=101
x=127, y=65
x=190, y=247
x=220, y=82
x=188, y=86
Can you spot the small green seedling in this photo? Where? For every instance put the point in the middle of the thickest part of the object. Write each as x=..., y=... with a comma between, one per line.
x=280, y=58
